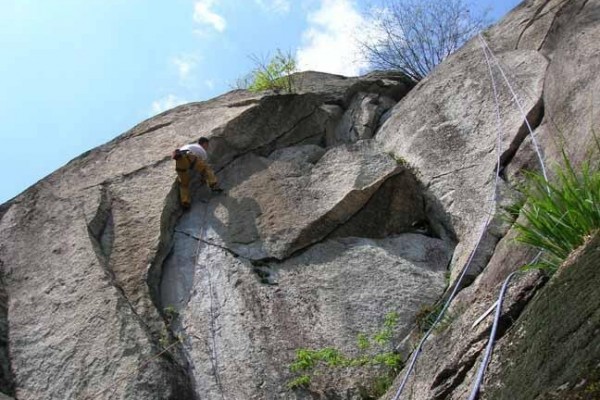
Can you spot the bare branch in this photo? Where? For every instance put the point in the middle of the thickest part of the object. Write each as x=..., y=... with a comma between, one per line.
x=416, y=35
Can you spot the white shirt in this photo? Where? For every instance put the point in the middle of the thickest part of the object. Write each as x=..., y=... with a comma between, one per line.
x=196, y=149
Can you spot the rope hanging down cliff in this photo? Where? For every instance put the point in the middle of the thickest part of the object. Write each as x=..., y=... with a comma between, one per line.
x=490, y=346
x=212, y=345
x=483, y=229
x=417, y=351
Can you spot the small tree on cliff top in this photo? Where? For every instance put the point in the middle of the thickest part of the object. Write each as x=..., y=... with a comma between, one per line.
x=414, y=36
x=274, y=74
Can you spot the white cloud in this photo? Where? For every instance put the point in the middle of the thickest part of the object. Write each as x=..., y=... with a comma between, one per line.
x=209, y=84
x=205, y=16
x=331, y=42
x=185, y=64
x=166, y=103
x=277, y=6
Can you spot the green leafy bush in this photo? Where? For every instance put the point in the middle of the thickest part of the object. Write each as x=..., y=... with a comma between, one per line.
x=373, y=352
x=274, y=74
x=427, y=314
x=561, y=214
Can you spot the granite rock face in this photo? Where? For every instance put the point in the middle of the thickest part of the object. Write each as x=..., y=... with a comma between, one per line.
x=564, y=33
x=446, y=129
x=95, y=256
x=243, y=323
x=346, y=200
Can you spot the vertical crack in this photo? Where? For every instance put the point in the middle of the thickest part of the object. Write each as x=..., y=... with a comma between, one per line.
x=101, y=228
x=534, y=117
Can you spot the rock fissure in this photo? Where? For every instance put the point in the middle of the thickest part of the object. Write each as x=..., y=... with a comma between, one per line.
x=297, y=123
x=152, y=129
x=129, y=174
x=535, y=118
x=441, y=175
x=102, y=235
x=557, y=14
x=5, y=207
x=7, y=382
x=243, y=103
x=536, y=15
x=315, y=232
x=269, y=147
x=316, y=139
x=582, y=6
x=209, y=243
x=453, y=375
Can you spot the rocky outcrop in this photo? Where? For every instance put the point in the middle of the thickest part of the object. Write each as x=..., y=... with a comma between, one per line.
x=446, y=129
x=95, y=255
x=73, y=332
x=560, y=32
x=242, y=321
x=323, y=188
x=344, y=201
x=553, y=350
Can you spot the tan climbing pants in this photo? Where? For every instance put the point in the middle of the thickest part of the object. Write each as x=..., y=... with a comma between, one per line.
x=183, y=165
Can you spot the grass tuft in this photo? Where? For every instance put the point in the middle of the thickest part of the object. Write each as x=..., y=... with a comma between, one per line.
x=561, y=214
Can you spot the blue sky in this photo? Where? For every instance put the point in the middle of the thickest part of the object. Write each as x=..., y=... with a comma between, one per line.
x=75, y=74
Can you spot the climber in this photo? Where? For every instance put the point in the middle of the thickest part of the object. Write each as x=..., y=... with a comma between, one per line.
x=193, y=156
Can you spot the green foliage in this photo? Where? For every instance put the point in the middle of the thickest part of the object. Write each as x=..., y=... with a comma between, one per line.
x=377, y=387
x=272, y=75
x=373, y=352
x=384, y=335
x=166, y=337
x=561, y=214
x=447, y=278
x=301, y=381
x=170, y=313
x=362, y=342
x=307, y=359
x=427, y=315
x=399, y=160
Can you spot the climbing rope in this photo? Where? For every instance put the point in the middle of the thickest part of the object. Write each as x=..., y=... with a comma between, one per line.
x=483, y=229
x=490, y=346
x=484, y=363
x=488, y=53
x=212, y=345
x=519, y=105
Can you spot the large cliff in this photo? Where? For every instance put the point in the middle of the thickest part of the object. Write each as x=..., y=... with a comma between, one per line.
x=346, y=200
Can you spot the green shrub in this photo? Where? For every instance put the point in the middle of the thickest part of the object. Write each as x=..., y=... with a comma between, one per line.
x=374, y=352
x=377, y=387
x=427, y=315
x=561, y=214
x=301, y=381
x=166, y=337
x=274, y=74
